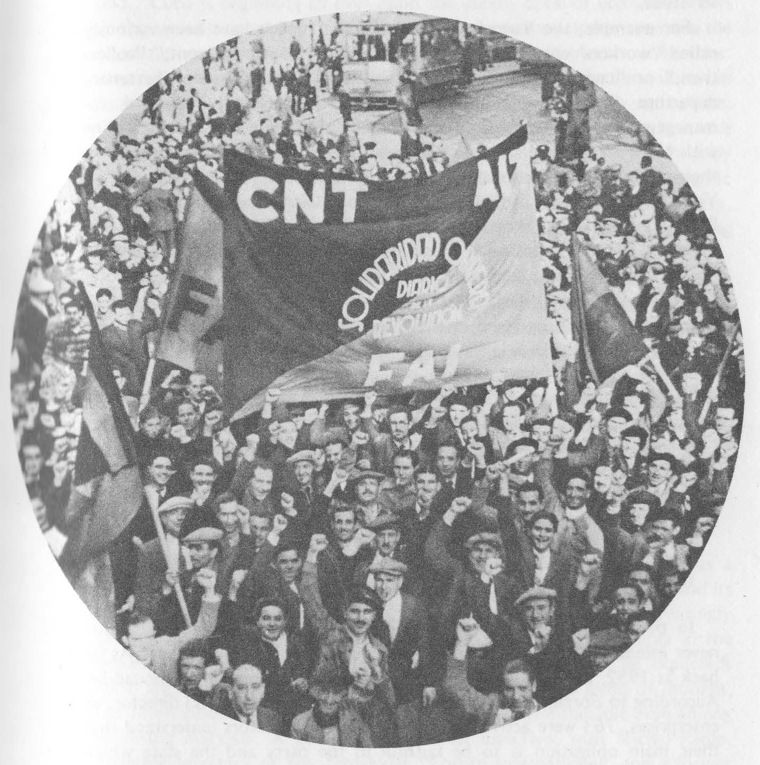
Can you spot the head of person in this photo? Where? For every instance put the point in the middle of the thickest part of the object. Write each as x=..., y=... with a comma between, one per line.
x=261, y=525
x=173, y=513
x=642, y=577
x=31, y=457
x=141, y=637
x=577, y=490
x=288, y=561
x=481, y=548
x=447, y=460
x=665, y=527
x=261, y=481
x=537, y=607
x=161, y=469
x=303, y=468
x=343, y=521
x=288, y=433
x=349, y=413
x=269, y=615
x=399, y=421
x=640, y=506
x=616, y=419
x=96, y=260
x=248, y=688
x=403, y=467
x=627, y=600
x=632, y=441
x=426, y=485
x=543, y=529
x=635, y=404
x=122, y=311
x=227, y=512
x=151, y=422
x=540, y=432
x=670, y=584
x=202, y=549
x=196, y=385
x=367, y=488
x=519, y=686
x=513, y=416
x=361, y=611
x=691, y=382
x=389, y=579
x=188, y=416
x=469, y=429
x=192, y=663
x=530, y=498
x=329, y=692
x=660, y=469
x=725, y=419
x=602, y=479
x=458, y=410
x=202, y=475
x=638, y=624
x=666, y=231
x=387, y=534
x=333, y=452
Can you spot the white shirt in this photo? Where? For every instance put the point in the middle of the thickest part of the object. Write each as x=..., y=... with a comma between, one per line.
x=254, y=719
x=357, y=659
x=281, y=645
x=301, y=614
x=392, y=615
x=543, y=559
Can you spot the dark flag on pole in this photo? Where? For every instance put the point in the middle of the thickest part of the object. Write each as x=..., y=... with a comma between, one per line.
x=607, y=339
x=334, y=285
x=107, y=489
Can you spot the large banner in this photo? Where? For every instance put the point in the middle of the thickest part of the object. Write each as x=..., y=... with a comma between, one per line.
x=334, y=285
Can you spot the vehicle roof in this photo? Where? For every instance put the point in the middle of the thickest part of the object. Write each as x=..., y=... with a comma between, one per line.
x=382, y=18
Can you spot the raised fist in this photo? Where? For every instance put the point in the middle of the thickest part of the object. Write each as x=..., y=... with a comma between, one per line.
x=339, y=476
x=364, y=537
x=446, y=391
x=287, y=503
x=206, y=578
x=360, y=438
x=369, y=398
x=272, y=395
x=460, y=505
x=318, y=543
x=279, y=524
x=466, y=629
x=310, y=415
x=498, y=378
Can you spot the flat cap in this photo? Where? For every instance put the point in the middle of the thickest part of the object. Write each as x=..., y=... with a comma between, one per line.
x=484, y=537
x=176, y=503
x=536, y=593
x=359, y=475
x=384, y=521
x=305, y=455
x=200, y=526
x=388, y=566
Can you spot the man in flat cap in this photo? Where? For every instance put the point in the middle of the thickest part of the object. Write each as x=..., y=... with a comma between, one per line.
x=200, y=535
x=152, y=564
x=405, y=632
x=366, y=486
x=350, y=646
x=514, y=700
x=662, y=473
x=302, y=488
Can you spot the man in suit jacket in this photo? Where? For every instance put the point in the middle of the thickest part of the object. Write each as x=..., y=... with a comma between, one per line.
x=279, y=654
x=332, y=721
x=404, y=630
x=349, y=647
x=150, y=580
x=242, y=701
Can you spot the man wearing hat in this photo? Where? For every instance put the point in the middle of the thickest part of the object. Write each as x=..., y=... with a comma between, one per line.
x=152, y=565
x=348, y=645
x=366, y=485
x=477, y=586
x=486, y=711
x=200, y=534
x=405, y=633
x=302, y=465
x=633, y=439
x=387, y=528
x=662, y=473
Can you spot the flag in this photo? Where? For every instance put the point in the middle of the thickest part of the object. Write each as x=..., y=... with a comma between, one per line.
x=335, y=285
x=607, y=339
x=107, y=490
x=191, y=329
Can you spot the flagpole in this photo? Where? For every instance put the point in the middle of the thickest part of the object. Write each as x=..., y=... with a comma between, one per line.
x=654, y=358
x=153, y=502
x=721, y=367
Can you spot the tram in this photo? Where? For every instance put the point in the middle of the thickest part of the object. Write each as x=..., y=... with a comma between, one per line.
x=378, y=47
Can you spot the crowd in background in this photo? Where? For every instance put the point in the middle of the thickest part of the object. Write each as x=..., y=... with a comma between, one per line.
x=384, y=571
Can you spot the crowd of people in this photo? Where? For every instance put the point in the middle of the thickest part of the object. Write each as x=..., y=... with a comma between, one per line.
x=386, y=571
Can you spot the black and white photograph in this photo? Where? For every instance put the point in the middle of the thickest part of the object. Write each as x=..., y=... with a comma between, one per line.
x=377, y=380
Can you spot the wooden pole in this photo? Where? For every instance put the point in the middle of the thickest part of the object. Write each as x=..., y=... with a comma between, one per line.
x=654, y=358
x=719, y=373
x=152, y=501
x=145, y=397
